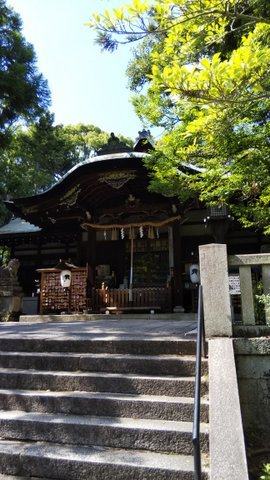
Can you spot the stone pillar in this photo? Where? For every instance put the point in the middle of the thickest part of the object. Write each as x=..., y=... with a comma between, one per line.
x=215, y=283
x=266, y=288
x=247, y=303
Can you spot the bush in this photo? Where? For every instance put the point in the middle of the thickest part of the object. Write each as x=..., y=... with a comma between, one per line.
x=266, y=472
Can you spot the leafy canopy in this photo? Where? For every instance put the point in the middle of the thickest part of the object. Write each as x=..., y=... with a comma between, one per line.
x=24, y=93
x=201, y=71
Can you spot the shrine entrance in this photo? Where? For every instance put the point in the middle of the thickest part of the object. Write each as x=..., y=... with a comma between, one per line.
x=132, y=267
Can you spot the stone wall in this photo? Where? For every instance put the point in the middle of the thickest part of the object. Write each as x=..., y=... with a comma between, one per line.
x=253, y=370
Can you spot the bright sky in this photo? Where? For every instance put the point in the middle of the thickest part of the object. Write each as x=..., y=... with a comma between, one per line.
x=87, y=85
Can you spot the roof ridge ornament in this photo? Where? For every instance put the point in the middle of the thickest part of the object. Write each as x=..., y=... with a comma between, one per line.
x=144, y=134
x=144, y=142
x=114, y=145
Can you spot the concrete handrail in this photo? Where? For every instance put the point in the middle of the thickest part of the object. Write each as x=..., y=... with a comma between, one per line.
x=227, y=445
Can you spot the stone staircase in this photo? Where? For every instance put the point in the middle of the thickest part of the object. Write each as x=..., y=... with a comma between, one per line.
x=98, y=409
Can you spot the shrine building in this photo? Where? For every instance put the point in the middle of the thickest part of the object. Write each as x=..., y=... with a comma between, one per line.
x=127, y=248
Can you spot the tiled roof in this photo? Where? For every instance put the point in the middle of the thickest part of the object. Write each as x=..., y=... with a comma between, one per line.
x=18, y=225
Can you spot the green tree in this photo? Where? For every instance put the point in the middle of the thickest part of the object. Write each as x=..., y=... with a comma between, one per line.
x=24, y=93
x=47, y=151
x=201, y=71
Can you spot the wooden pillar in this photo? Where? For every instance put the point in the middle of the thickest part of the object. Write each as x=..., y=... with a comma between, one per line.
x=91, y=255
x=170, y=243
x=177, y=257
x=39, y=255
x=82, y=249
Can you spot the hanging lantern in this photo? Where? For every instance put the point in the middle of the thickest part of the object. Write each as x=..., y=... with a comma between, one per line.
x=157, y=232
x=64, y=269
x=65, y=278
x=122, y=233
x=105, y=234
x=141, y=231
x=194, y=273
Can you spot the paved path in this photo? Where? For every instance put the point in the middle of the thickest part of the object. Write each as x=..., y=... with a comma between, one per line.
x=103, y=329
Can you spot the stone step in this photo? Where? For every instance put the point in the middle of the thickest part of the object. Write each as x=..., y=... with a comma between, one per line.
x=103, y=404
x=122, y=345
x=93, y=317
x=102, y=362
x=70, y=462
x=125, y=433
x=90, y=381
x=12, y=477
x=100, y=406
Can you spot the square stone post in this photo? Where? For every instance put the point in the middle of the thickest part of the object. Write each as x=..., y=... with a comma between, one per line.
x=266, y=288
x=215, y=283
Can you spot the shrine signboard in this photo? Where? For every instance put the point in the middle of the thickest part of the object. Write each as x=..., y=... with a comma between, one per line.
x=234, y=284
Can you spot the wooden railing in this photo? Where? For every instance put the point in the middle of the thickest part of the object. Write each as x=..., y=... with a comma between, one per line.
x=139, y=298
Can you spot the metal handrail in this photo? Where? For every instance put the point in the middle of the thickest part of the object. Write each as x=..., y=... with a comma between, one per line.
x=200, y=350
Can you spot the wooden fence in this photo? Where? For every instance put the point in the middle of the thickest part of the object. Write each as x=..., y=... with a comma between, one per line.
x=138, y=298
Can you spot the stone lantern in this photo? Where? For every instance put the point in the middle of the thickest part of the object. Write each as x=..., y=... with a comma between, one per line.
x=11, y=293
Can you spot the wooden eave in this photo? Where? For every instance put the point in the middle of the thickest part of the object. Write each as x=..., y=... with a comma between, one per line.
x=84, y=193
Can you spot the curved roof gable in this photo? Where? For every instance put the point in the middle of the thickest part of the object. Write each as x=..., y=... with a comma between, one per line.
x=102, y=183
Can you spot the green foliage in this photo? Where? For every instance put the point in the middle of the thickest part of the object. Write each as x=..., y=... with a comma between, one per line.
x=4, y=256
x=202, y=73
x=263, y=301
x=24, y=93
x=266, y=471
x=5, y=317
x=260, y=303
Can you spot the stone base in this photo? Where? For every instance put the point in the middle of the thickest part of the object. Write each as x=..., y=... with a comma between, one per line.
x=178, y=309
